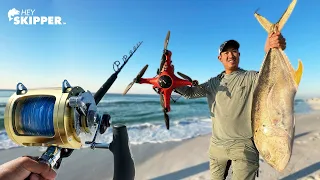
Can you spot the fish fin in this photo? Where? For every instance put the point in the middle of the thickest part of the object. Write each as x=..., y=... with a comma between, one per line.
x=284, y=18
x=298, y=73
x=263, y=22
x=267, y=25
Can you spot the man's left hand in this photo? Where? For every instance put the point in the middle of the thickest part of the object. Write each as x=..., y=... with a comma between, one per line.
x=26, y=167
x=275, y=40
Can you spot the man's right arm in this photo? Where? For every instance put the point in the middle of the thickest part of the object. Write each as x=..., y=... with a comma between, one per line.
x=198, y=91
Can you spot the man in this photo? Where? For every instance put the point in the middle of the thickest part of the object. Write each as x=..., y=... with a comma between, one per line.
x=26, y=167
x=229, y=97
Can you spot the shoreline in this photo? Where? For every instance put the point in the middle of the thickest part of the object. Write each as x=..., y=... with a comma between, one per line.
x=101, y=160
x=185, y=159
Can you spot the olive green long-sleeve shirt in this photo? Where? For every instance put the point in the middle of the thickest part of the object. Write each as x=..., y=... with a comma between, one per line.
x=229, y=98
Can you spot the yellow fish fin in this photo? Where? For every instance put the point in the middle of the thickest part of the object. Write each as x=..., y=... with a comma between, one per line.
x=298, y=73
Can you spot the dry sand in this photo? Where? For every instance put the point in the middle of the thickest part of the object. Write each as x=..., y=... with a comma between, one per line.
x=187, y=159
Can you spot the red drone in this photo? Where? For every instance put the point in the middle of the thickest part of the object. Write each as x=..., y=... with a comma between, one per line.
x=165, y=81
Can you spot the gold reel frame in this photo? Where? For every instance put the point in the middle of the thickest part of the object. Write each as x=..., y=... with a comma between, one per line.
x=65, y=135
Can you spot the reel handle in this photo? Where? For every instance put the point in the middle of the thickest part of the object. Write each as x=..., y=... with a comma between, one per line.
x=123, y=163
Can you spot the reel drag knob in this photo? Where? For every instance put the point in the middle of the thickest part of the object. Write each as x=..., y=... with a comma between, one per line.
x=105, y=123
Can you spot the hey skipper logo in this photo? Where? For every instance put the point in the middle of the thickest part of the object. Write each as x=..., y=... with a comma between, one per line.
x=28, y=17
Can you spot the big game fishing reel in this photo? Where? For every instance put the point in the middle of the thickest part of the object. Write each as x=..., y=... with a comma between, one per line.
x=52, y=117
x=60, y=118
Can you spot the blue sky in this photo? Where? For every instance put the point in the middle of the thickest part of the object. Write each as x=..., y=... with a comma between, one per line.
x=99, y=32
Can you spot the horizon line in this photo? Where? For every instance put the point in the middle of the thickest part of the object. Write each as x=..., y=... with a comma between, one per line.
x=95, y=92
x=302, y=97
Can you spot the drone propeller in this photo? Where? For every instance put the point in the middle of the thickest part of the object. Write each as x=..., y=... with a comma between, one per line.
x=166, y=117
x=163, y=58
x=184, y=76
x=137, y=79
x=194, y=82
x=166, y=42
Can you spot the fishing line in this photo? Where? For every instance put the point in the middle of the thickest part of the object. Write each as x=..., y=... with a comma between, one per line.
x=36, y=116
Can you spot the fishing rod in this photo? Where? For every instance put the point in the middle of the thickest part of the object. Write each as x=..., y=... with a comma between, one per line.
x=61, y=119
x=117, y=68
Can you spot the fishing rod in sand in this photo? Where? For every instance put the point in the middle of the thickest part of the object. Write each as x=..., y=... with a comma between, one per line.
x=60, y=118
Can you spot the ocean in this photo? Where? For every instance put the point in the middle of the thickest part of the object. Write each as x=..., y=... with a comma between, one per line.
x=143, y=116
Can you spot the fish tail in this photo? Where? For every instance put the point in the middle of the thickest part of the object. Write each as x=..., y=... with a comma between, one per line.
x=270, y=27
x=284, y=18
x=264, y=22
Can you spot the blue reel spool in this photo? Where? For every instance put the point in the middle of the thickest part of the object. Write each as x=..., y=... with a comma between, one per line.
x=61, y=117
x=36, y=116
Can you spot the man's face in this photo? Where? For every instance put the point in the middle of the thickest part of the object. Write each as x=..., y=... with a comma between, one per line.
x=230, y=58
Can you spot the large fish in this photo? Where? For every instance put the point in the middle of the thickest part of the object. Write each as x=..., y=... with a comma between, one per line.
x=273, y=120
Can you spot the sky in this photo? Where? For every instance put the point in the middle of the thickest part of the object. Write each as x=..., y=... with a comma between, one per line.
x=99, y=32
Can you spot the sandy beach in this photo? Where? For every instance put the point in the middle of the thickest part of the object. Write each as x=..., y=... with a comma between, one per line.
x=186, y=159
